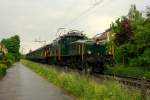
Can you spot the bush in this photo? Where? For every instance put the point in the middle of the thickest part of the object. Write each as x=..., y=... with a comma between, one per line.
x=9, y=56
x=1, y=55
x=122, y=70
x=8, y=62
x=3, y=69
x=127, y=51
x=142, y=60
x=8, y=59
x=17, y=56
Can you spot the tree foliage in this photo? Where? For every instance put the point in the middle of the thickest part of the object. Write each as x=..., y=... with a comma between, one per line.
x=148, y=13
x=13, y=46
x=123, y=30
x=133, y=38
x=135, y=17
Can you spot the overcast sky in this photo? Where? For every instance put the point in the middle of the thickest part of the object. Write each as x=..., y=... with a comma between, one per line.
x=31, y=19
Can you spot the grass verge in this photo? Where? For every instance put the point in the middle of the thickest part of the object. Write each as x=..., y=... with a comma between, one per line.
x=81, y=86
x=136, y=72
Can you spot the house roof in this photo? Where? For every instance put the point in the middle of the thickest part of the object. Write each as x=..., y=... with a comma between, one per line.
x=102, y=36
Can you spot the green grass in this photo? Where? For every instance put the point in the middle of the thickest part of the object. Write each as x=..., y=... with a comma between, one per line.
x=136, y=72
x=82, y=87
x=3, y=69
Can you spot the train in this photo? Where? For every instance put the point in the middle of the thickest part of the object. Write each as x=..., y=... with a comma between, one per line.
x=74, y=50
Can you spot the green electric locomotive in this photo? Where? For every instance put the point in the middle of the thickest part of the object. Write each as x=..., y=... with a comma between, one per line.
x=74, y=50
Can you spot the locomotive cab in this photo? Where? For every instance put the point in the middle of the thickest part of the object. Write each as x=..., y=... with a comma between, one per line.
x=91, y=55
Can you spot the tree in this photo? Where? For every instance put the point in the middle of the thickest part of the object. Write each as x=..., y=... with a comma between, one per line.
x=148, y=13
x=132, y=38
x=135, y=16
x=13, y=46
x=123, y=30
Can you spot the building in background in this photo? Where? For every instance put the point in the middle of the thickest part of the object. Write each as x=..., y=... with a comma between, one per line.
x=102, y=37
x=106, y=37
x=3, y=49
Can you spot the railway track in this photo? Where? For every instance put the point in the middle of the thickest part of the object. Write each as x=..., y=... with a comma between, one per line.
x=142, y=85
x=129, y=81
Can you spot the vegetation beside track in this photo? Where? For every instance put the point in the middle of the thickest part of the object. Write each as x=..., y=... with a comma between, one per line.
x=82, y=87
x=131, y=40
x=135, y=72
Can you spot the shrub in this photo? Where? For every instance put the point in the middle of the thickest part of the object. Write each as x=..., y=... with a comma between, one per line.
x=17, y=56
x=122, y=70
x=8, y=59
x=142, y=60
x=3, y=69
x=9, y=56
x=8, y=62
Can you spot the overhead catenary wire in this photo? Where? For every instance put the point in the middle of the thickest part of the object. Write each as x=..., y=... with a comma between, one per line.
x=63, y=29
x=97, y=3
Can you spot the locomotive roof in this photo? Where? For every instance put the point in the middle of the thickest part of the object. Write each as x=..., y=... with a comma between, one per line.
x=73, y=33
x=89, y=41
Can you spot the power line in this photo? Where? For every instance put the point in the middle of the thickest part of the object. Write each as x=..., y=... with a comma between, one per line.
x=63, y=29
x=40, y=41
x=97, y=3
